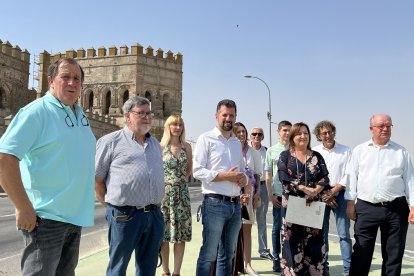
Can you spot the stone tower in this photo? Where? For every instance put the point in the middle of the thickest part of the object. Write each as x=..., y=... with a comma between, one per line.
x=114, y=75
x=14, y=79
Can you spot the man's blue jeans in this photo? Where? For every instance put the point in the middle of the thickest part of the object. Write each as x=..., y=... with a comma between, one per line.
x=342, y=226
x=221, y=225
x=261, y=218
x=277, y=225
x=129, y=230
x=52, y=248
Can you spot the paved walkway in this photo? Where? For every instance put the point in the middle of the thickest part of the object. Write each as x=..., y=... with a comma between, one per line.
x=96, y=264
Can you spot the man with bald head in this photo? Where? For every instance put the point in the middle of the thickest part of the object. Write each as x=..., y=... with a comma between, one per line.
x=381, y=182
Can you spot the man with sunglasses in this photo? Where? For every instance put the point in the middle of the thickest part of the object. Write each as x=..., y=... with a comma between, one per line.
x=47, y=170
x=129, y=180
x=381, y=183
x=256, y=138
x=274, y=187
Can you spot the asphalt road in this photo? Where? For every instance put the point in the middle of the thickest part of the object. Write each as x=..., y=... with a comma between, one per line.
x=94, y=238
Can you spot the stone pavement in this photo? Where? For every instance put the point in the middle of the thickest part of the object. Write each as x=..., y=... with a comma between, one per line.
x=96, y=264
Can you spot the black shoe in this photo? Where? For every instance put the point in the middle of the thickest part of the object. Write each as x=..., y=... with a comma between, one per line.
x=267, y=255
x=276, y=266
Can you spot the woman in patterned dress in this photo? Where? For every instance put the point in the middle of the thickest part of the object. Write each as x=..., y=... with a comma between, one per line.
x=303, y=173
x=175, y=206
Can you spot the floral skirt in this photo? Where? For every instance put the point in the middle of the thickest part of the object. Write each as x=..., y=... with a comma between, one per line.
x=176, y=210
x=303, y=250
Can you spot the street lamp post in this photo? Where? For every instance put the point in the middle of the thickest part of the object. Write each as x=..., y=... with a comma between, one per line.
x=269, y=113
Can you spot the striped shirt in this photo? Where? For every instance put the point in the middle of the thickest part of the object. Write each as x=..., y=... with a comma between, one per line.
x=133, y=173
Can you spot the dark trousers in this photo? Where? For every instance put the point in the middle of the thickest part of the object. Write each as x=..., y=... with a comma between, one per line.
x=392, y=220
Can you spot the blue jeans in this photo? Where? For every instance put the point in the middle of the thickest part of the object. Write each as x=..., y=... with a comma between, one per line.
x=261, y=218
x=129, y=230
x=342, y=226
x=52, y=248
x=277, y=225
x=221, y=225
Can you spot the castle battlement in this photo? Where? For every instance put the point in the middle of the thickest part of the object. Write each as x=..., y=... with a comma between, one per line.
x=14, y=51
x=99, y=117
x=113, y=51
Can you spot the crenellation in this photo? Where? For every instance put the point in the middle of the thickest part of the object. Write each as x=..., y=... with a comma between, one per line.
x=80, y=53
x=6, y=48
x=160, y=53
x=14, y=80
x=170, y=55
x=16, y=52
x=149, y=51
x=137, y=49
x=25, y=56
x=91, y=52
x=70, y=53
x=101, y=51
x=113, y=51
x=57, y=56
x=123, y=50
x=179, y=58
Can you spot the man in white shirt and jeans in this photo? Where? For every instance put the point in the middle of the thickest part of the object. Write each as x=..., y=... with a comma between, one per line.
x=381, y=181
x=336, y=157
x=218, y=163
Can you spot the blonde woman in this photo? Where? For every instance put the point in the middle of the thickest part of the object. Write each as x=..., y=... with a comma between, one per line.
x=175, y=206
x=253, y=171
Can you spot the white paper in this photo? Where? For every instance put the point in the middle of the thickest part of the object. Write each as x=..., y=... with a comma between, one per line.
x=298, y=213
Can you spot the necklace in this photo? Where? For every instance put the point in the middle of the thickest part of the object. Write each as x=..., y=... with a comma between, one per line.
x=304, y=167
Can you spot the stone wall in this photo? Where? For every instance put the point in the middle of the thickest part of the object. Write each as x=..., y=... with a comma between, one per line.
x=114, y=75
x=101, y=125
x=14, y=79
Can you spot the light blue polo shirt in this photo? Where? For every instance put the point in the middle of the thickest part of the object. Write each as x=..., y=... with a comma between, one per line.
x=56, y=159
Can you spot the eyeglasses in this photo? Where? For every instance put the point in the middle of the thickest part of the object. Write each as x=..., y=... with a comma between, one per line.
x=383, y=126
x=142, y=114
x=256, y=134
x=68, y=120
x=326, y=133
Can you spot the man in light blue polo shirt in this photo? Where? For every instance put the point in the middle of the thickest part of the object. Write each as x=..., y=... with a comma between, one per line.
x=47, y=170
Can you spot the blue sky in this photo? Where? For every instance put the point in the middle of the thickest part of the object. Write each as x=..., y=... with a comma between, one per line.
x=336, y=60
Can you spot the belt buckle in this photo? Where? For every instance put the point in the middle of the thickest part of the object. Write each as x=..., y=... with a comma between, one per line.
x=233, y=199
x=385, y=203
x=147, y=209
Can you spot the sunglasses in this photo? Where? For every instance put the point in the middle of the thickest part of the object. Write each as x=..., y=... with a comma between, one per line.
x=257, y=134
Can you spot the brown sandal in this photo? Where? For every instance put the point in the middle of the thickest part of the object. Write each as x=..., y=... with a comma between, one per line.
x=166, y=274
x=176, y=275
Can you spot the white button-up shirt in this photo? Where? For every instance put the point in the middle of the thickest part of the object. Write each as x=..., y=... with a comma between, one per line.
x=213, y=154
x=336, y=160
x=262, y=154
x=380, y=174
